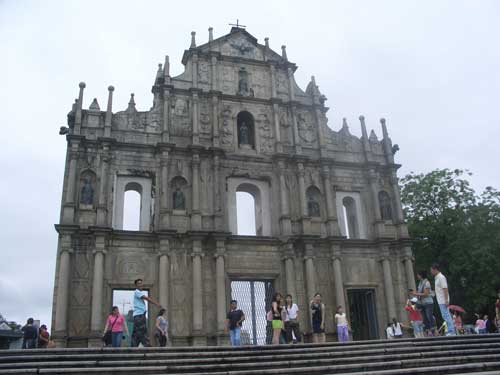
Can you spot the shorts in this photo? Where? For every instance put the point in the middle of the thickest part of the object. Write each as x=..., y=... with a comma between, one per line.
x=277, y=324
x=418, y=326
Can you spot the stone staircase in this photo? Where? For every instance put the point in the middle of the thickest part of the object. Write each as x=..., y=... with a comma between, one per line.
x=475, y=354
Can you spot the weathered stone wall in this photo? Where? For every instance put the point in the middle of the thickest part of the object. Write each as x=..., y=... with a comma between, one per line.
x=235, y=120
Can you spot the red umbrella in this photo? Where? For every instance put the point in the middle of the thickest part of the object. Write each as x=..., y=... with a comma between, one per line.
x=456, y=308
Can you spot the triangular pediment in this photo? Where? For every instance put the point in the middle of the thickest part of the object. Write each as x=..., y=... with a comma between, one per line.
x=240, y=43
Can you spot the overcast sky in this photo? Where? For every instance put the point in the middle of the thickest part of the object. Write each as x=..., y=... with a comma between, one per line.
x=430, y=67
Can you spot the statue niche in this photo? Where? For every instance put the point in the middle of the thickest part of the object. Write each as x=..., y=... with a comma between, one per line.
x=313, y=199
x=87, y=189
x=179, y=185
x=385, y=205
x=243, y=86
x=246, y=130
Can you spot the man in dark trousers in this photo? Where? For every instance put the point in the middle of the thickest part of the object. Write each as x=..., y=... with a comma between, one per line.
x=235, y=318
x=30, y=335
x=140, y=333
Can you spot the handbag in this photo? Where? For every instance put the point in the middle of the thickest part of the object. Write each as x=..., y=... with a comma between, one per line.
x=107, y=336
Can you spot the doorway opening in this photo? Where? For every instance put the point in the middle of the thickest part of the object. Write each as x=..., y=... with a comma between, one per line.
x=124, y=299
x=254, y=299
x=363, y=314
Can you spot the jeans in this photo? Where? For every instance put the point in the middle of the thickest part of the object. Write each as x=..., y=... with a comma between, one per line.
x=343, y=333
x=116, y=339
x=29, y=343
x=445, y=314
x=235, y=336
x=427, y=316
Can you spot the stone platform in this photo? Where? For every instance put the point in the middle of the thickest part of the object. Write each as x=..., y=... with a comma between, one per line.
x=475, y=354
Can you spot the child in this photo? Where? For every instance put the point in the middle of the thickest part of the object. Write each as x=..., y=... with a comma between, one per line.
x=342, y=325
x=415, y=317
x=390, y=331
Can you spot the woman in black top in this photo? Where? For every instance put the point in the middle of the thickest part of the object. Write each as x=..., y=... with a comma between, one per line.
x=318, y=319
x=278, y=317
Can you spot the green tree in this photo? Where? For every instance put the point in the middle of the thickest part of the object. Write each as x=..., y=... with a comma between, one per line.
x=452, y=225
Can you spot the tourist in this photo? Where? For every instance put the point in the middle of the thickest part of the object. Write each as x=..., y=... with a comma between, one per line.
x=318, y=319
x=443, y=297
x=457, y=320
x=292, y=327
x=389, y=331
x=43, y=337
x=278, y=315
x=487, y=324
x=140, y=333
x=30, y=335
x=234, y=321
x=415, y=317
x=161, y=333
x=480, y=326
x=114, y=328
x=497, y=312
x=398, y=329
x=342, y=325
x=425, y=303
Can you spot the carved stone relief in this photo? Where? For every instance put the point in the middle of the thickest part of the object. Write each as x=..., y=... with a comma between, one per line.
x=228, y=79
x=181, y=118
x=307, y=132
x=285, y=124
x=205, y=125
x=203, y=71
x=281, y=82
x=227, y=128
x=265, y=132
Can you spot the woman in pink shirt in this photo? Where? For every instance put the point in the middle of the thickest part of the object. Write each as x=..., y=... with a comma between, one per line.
x=116, y=325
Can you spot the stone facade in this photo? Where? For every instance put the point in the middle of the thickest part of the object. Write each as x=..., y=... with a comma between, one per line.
x=328, y=211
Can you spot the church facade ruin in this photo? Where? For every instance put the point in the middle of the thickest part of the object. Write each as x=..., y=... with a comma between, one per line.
x=328, y=213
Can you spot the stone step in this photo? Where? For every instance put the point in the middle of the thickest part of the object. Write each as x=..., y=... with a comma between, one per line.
x=163, y=358
x=244, y=362
x=279, y=367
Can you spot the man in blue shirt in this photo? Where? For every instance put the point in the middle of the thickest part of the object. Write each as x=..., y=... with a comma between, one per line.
x=140, y=333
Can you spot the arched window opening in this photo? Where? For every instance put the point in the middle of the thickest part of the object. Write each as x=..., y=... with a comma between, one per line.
x=132, y=207
x=246, y=130
x=313, y=196
x=384, y=201
x=350, y=217
x=245, y=212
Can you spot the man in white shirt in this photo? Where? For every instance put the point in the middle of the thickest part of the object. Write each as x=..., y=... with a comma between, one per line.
x=443, y=297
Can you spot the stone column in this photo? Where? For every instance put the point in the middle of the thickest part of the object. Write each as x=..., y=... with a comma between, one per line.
x=96, y=324
x=306, y=225
x=402, y=229
x=310, y=272
x=220, y=285
x=196, y=214
x=215, y=121
x=378, y=224
x=109, y=113
x=102, y=206
x=296, y=139
x=213, y=81
x=388, y=287
x=290, y=271
x=408, y=262
x=338, y=278
x=165, y=134
x=164, y=191
x=78, y=115
x=273, y=81
x=277, y=131
x=69, y=205
x=219, y=216
x=286, y=226
x=63, y=285
x=331, y=205
x=163, y=274
x=198, y=337
x=196, y=126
